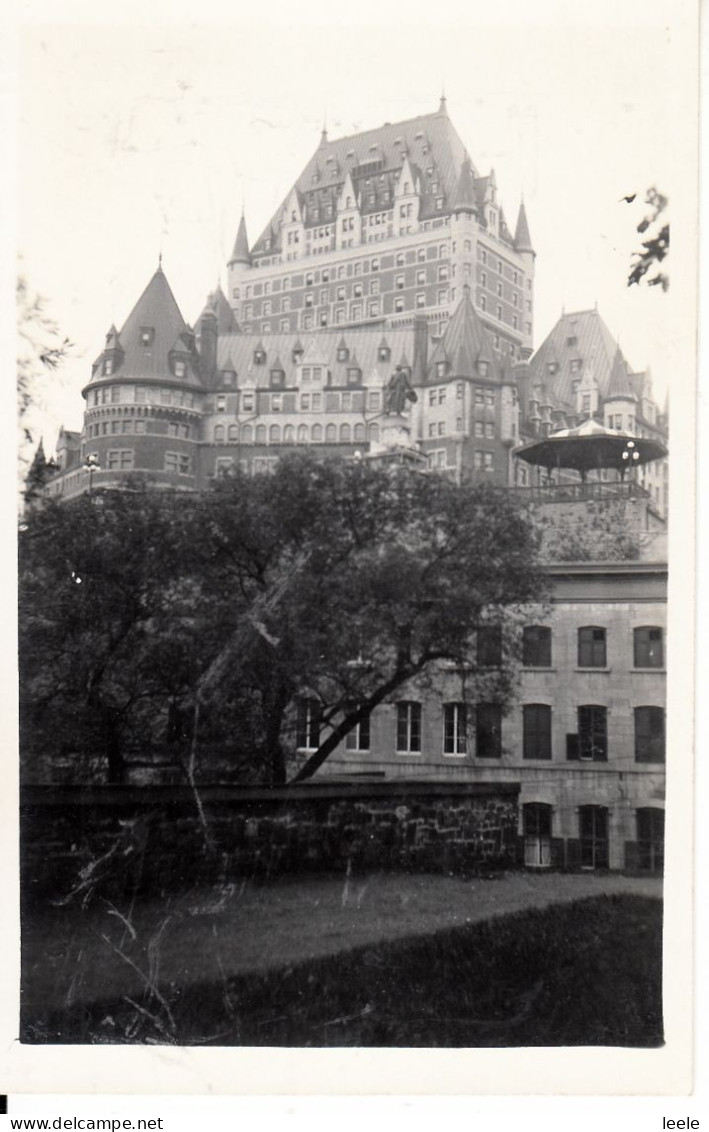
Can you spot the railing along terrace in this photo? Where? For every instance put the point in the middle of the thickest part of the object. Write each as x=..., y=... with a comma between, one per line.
x=573, y=492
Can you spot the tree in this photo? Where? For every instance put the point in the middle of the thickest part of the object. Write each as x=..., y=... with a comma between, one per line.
x=41, y=350
x=381, y=579
x=656, y=247
x=200, y=623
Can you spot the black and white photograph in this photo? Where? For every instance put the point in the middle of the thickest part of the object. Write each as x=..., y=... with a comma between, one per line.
x=355, y=386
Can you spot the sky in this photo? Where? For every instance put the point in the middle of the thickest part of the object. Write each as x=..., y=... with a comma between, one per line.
x=136, y=140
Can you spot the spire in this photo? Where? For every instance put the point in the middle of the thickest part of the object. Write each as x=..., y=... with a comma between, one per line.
x=241, y=253
x=464, y=200
x=523, y=240
x=619, y=387
x=323, y=133
x=442, y=105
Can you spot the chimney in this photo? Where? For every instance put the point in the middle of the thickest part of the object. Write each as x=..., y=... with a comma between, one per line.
x=208, y=345
x=418, y=373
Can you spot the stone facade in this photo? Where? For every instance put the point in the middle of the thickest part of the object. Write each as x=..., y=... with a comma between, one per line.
x=153, y=835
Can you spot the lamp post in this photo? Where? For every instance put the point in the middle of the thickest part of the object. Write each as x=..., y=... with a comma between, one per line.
x=630, y=457
x=91, y=465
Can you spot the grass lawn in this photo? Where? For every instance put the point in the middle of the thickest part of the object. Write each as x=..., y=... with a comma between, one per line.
x=587, y=972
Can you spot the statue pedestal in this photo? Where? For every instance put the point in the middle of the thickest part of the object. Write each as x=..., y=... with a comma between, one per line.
x=394, y=432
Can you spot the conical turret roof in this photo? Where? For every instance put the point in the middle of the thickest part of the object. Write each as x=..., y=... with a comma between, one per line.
x=241, y=253
x=619, y=385
x=464, y=199
x=151, y=332
x=523, y=240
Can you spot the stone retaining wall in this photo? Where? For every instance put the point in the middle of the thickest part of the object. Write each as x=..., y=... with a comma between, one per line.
x=85, y=840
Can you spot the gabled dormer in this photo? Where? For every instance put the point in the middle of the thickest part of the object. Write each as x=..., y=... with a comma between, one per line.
x=354, y=371
x=587, y=398
x=292, y=224
x=259, y=354
x=343, y=352
x=277, y=375
x=383, y=351
x=297, y=352
x=349, y=220
x=406, y=197
x=112, y=354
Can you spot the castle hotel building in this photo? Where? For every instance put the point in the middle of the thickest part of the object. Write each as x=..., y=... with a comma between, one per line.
x=391, y=260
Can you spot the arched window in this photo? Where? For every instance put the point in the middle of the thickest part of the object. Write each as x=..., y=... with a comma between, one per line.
x=536, y=646
x=649, y=735
x=233, y=433
x=219, y=434
x=647, y=647
x=274, y=434
x=247, y=434
x=592, y=647
x=360, y=434
x=261, y=434
x=345, y=434
x=302, y=434
x=331, y=434
x=317, y=434
x=467, y=246
x=289, y=434
x=373, y=433
x=536, y=731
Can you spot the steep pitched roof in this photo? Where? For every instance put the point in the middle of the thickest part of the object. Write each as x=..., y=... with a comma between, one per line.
x=466, y=341
x=374, y=158
x=619, y=386
x=523, y=240
x=240, y=253
x=582, y=339
x=218, y=305
x=465, y=199
x=158, y=312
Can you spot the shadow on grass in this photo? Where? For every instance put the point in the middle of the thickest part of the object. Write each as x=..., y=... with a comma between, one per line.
x=586, y=973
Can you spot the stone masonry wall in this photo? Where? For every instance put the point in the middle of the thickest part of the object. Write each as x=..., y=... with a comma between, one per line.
x=109, y=839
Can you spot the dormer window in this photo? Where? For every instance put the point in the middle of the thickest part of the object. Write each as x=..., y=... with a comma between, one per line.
x=107, y=368
x=259, y=357
x=441, y=368
x=384, y=354
x=221, y=404
x=248, y=402
x=572, y=341
x=277, y=377
x=147, y=335
x=297, y=356
x=553, y=368
x=575, y=365
x=180, y=368
x=354, y=375
x=482, y=368
x=342, y=353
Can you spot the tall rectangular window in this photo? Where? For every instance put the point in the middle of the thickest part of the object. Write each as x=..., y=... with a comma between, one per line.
x=592, y=647
x=593, y=733
x=536, y=721
x=358, y=739
x=489, y=646
x=649, y=735
x=593, y=832
x=648, y=649
x=536, y=646
x=650, y=826
x=488, y=731
x=455, y=729
x=408, y=727
x=308, y=724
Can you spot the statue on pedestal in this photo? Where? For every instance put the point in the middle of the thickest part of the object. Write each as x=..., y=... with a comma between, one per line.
x=398, y=391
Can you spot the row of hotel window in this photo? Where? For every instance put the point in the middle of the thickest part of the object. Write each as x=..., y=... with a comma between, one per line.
x=123, y=460
x=479, y=731
x=648, y=646
x=345, y=292
x=362, y=266
x=319, y=318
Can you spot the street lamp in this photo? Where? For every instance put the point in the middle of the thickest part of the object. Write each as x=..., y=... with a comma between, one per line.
x=91, y=465
x=630, y=457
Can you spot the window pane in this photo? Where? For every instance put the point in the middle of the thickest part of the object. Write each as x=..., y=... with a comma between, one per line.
x=648, y=647
x=593, y=736
x=489, y=646
x=536, y=646
x=536, y=720
x=649, y=735
x=592, y=647
x=488, y=727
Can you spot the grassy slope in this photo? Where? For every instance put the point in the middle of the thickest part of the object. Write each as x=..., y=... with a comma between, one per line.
x=587, y=973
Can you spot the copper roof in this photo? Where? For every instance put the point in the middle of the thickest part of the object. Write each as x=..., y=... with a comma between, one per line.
x=578, y=337
x=374, y=158
x=156, y=311
x=523, y=240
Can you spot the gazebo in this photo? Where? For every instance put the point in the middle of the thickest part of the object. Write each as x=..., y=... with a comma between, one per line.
x=591, y=447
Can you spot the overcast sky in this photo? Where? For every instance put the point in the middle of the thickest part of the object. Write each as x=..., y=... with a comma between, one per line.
x=140, y=139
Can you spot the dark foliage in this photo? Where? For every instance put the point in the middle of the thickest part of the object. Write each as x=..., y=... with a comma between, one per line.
x=185, y=629
x=655, y=247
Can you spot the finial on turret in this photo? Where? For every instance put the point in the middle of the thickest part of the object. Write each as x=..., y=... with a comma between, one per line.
x=443, y=105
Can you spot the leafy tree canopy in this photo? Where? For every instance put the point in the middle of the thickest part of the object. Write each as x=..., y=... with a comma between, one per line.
x=655, y=247
x=336, y=581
